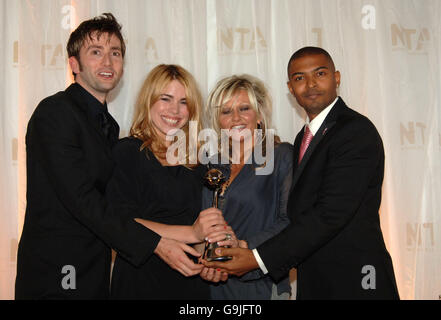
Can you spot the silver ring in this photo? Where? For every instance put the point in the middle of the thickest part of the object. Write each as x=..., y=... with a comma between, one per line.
x=228, y=236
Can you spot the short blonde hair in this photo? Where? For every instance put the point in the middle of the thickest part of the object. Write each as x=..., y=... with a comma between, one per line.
x=258, y=94
x=155, y=83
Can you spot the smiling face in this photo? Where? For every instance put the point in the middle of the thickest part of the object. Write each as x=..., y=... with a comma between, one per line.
x=238, y=115
x=313, y=81
x=100, y=65
x=170, y=111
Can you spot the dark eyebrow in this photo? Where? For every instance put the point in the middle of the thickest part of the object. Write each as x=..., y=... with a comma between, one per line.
x=315, y=70
x=319, y=68
x=170, y=96
x=94, y=46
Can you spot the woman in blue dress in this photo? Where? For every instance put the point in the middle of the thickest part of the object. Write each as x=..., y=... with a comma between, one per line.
x=254, y=198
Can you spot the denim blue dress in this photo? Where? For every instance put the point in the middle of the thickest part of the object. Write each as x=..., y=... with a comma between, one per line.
x=254, y=205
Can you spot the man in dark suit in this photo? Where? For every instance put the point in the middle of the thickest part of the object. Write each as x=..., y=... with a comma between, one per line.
x=334, y=239
x=64, y=250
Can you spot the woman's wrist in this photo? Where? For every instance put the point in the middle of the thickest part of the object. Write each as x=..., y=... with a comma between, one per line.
x=194, y=235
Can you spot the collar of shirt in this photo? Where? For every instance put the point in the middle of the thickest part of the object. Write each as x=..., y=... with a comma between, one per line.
x=95, y=107
x=317, y=122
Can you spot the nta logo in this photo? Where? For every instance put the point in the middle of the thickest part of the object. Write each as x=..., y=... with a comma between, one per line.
x=240, y=40
x=411, y=40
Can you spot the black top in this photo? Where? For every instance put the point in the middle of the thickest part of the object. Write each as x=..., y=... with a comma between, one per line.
x=255, y=205
x=99, y=113
x=142, y=188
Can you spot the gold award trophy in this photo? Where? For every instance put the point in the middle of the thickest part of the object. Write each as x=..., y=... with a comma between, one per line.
x=215, y=179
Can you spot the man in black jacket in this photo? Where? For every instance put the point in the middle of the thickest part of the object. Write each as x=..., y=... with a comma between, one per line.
x=64, y=250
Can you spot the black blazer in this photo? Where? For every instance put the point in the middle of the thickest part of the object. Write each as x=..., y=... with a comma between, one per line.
x=68, y=222
x=334, y=239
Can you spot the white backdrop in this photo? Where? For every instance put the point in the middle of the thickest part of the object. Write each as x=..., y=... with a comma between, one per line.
x=388, y=52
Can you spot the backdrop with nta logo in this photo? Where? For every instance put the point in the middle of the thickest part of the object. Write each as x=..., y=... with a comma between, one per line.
x=388, y=53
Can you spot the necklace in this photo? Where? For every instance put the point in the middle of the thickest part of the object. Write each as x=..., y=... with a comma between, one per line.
x=234, y=172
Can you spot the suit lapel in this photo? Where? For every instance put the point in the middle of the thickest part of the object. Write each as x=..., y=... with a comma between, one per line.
x=297, y=143
x=327, y=125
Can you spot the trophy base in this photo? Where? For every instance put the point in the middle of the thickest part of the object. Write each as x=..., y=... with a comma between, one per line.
x=219, y=259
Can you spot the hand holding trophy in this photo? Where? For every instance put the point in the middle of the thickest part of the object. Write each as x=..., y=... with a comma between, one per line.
x=215, y=178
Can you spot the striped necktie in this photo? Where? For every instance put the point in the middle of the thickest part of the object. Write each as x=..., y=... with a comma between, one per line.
x=307, y=138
